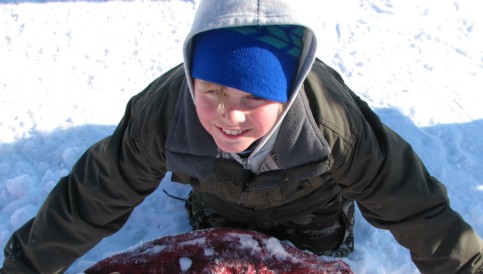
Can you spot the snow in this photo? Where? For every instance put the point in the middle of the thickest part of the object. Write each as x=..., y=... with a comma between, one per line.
x=276, y=250
x=68, y=69
x=246, y=241
x=185, y=263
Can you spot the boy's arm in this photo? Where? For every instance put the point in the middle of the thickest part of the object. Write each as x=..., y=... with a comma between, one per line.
x=92, y=202
x=104, y=186
x=394, y=191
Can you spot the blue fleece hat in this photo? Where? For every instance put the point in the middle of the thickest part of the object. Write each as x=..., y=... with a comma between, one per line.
x=261, y=60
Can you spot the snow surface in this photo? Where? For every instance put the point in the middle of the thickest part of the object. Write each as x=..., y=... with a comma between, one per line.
x=67, y=69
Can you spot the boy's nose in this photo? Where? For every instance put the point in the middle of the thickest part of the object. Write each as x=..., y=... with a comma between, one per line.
x=233, y=115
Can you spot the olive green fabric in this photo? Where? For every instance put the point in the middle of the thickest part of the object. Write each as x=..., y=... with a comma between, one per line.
x=326, y=230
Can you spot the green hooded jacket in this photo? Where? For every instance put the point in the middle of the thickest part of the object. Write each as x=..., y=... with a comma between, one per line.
x=327, y=142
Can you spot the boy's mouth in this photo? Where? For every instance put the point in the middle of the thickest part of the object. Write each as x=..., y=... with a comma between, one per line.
x=232, y=132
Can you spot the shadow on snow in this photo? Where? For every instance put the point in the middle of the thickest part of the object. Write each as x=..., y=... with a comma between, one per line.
x=458, y=146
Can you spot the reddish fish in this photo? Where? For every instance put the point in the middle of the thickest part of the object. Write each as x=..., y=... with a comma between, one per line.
x=218, y=250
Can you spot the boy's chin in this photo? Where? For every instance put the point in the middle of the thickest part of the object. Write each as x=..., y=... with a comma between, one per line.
x=228, y=150
x=238, y=148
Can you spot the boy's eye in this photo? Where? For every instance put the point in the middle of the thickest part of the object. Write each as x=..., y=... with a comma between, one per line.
x=253, y=97
x=213, y=91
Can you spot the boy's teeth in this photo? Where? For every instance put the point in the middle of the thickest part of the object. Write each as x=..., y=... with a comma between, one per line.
x=232, y=132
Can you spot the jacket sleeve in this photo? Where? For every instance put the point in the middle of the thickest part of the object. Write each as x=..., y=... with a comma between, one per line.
x=394, y=191
x=93, y=201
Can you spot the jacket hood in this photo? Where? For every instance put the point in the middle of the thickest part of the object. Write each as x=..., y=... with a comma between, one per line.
x=215, y=14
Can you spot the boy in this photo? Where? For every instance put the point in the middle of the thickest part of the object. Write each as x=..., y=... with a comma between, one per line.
x=270, y=139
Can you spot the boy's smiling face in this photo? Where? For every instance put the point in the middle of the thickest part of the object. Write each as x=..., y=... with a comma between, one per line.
x=234, y=118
